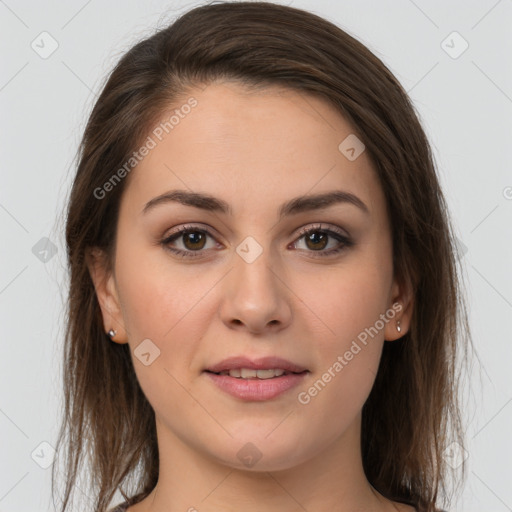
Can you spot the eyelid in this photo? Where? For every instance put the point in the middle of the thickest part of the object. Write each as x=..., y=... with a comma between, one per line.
x=323, y=227
x=192, y=227
x=301, y=232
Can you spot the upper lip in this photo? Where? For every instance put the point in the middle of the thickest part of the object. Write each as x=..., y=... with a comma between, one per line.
x=263, y=363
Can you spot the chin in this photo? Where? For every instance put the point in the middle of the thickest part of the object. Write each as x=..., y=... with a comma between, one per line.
x=255, y=452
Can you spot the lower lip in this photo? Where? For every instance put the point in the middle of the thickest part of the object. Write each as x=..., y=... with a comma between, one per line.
x=256, y=389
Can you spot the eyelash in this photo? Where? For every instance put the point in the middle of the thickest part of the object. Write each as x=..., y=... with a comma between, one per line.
x=343, y=239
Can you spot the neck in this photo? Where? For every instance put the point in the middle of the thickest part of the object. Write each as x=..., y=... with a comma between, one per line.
x=333, y=479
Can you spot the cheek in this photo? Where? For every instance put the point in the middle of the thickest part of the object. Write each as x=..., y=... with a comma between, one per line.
x=352, y=305
x=347, y=361
x=164, y=306
x=157, y=294
x=168, y=307
x=344, y=301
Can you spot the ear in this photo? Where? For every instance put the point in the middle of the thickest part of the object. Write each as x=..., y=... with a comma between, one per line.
x=402, y=303
x=107, y=294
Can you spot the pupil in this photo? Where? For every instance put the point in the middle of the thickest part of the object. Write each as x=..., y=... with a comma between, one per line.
x=313, y=237
x=194, y=238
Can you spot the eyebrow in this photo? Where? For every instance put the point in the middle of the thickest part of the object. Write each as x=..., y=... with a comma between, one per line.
x=294, y=206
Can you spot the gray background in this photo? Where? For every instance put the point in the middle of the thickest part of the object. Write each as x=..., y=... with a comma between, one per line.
x=464, y=100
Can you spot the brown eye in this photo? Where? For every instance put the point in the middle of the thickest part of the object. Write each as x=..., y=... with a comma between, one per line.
x=194, y=240
x=320, y=241
x=189, y=241
x=316, y=240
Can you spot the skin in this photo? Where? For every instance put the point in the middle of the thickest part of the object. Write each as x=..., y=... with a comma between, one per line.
x=254, y=150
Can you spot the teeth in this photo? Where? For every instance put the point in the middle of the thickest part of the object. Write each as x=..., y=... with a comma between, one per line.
x=268, y=374
x=246, y=373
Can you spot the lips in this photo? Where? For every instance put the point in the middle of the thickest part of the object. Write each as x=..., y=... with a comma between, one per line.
x=252, y=380
x=265, y=363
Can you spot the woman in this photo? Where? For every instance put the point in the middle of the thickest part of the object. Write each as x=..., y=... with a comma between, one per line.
x=264, y=310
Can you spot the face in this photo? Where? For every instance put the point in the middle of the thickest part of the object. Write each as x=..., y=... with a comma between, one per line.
x=257, y=270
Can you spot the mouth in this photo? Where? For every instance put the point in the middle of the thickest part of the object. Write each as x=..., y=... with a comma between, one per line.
x=242, y=367
x=256, y=380
x=249, y=373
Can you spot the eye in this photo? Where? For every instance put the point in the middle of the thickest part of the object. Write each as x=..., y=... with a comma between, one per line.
x=190, y=238
x=191, y=241
x=317, y=239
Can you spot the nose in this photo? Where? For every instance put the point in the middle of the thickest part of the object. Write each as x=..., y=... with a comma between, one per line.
x=255, y=296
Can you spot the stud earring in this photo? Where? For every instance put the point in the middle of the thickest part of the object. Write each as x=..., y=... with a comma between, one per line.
x=112, y=333
x=398, y=328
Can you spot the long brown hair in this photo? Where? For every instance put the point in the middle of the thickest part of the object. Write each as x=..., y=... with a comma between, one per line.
x=413, y=411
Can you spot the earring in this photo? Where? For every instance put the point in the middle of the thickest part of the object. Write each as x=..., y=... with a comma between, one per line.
x=112, y=333
x=398, y=328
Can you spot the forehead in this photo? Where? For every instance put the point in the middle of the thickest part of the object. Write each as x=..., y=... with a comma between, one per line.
x=245, y=145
